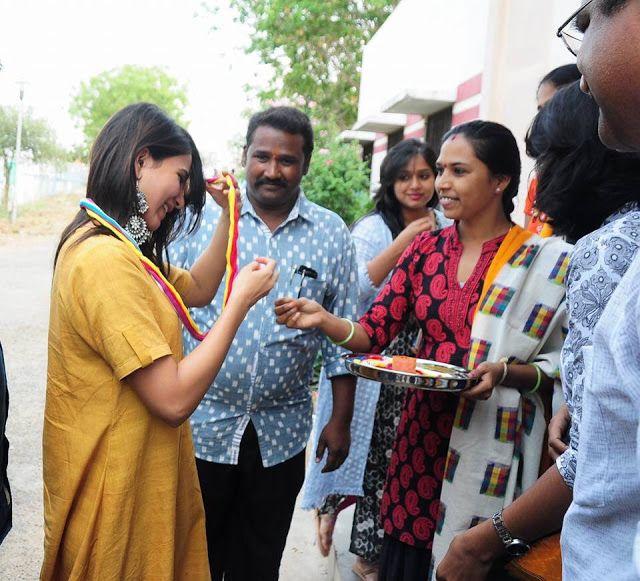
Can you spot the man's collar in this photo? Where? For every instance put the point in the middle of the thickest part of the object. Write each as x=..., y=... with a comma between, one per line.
x=302, y=208
x=632, y=206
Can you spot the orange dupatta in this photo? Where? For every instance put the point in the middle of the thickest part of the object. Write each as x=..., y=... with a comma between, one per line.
x=514, y=239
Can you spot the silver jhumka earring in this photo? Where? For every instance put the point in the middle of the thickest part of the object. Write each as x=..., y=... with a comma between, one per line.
x=136, y=226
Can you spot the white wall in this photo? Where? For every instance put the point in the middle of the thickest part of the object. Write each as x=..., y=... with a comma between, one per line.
x=423, y=45
x=34, y=181
x=522, y=47
x=438, y=44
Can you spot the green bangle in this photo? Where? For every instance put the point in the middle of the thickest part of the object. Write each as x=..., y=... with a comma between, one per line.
x=350, y=336
x=538, y=382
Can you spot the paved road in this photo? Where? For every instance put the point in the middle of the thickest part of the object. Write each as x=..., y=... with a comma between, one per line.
x=25, y=275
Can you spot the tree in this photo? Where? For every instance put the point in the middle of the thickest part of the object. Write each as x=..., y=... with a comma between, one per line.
x=38, y=141
x=338, y=179
x=315, y=49
x=106, y=93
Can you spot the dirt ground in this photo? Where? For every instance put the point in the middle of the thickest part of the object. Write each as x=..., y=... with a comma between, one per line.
x=26, y=259
x=48, y=217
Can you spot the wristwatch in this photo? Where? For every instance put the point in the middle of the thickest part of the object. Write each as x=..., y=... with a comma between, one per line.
x=514, y=547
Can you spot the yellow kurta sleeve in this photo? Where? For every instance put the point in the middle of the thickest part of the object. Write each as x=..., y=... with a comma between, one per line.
x=181, y=280
x=110, y=292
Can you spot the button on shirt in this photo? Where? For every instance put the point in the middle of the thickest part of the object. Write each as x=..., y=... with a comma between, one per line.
x=266, y=375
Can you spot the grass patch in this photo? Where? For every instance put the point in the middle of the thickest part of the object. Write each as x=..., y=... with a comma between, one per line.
x=44, y=217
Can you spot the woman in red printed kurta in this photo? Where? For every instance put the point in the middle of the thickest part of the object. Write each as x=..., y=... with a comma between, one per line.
x=425, y=282
x=439, y=279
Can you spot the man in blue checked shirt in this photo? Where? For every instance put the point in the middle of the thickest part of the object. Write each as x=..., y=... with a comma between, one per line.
x=251, y=428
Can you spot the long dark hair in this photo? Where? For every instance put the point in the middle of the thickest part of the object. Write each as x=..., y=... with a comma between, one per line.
x=580, y=181
x=112, y=178
x=386, y=203
x=496, y=147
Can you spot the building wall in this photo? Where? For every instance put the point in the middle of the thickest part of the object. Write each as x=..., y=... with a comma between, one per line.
x=522, y=48
x=415, y=127
x=379, y=152
x=466, y=108
x=421, y=45
x=490, y=53
x=468, y=100
x=37, y=181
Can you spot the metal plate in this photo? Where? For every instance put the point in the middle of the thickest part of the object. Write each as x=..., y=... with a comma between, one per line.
x=451, y=378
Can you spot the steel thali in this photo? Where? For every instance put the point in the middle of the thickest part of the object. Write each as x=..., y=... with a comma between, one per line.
x=429, y=375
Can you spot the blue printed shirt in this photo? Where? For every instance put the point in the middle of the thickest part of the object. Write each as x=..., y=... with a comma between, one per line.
x=266, y=375
x=601, y=523
x=598, y=263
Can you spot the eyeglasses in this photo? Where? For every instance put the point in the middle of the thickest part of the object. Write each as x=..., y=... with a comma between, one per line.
x=571, y=37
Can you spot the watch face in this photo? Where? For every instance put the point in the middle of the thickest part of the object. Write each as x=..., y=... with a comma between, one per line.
x=517, y=548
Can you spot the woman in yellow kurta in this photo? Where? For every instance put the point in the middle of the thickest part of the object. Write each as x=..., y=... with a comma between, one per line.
x=121, y=492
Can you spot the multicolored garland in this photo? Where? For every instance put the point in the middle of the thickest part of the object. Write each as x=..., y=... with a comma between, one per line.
x=232, y=243
x=94, y=211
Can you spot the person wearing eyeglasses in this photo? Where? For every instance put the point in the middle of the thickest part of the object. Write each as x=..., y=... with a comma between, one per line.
x=601, y=507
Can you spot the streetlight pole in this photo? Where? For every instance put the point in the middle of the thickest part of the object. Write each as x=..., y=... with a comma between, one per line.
x=16, y=158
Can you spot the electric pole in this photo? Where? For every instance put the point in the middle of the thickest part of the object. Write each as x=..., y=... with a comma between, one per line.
x=16, y=157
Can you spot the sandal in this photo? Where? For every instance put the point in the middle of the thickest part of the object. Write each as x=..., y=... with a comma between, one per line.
x=365, y=570
x=325, y=524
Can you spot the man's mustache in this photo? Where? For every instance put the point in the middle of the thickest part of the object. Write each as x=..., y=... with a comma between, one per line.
x=274, y=183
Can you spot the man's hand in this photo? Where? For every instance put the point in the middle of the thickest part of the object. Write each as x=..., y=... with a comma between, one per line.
x=470, y=555
x=558, y=427
x=336, y=438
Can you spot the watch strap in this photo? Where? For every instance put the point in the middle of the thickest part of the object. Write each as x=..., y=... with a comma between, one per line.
x=513, y=546
x=503, y=532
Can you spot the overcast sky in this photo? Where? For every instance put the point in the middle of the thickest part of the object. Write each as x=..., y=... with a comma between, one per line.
x=54, y=45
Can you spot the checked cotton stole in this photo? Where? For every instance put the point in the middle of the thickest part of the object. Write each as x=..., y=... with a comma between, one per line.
x=495, y=446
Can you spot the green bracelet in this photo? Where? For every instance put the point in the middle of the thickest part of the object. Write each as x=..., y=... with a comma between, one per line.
x=350, y=336
x=538, y=382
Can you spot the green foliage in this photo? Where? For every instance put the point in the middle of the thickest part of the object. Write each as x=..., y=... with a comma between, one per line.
x=338, y=179
x=315, y=49
x=106, y=93
x=38, y=142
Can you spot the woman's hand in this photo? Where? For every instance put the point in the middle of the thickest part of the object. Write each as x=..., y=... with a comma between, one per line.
x=219, y=190
x=489, y=374
x=299, y=313
x=416, y=227
x=558, y=427
x=254, y=281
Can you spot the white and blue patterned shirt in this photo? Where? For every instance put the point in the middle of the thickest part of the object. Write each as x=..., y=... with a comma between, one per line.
x=601, y=523
x=266, y=375
x=598, y=263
